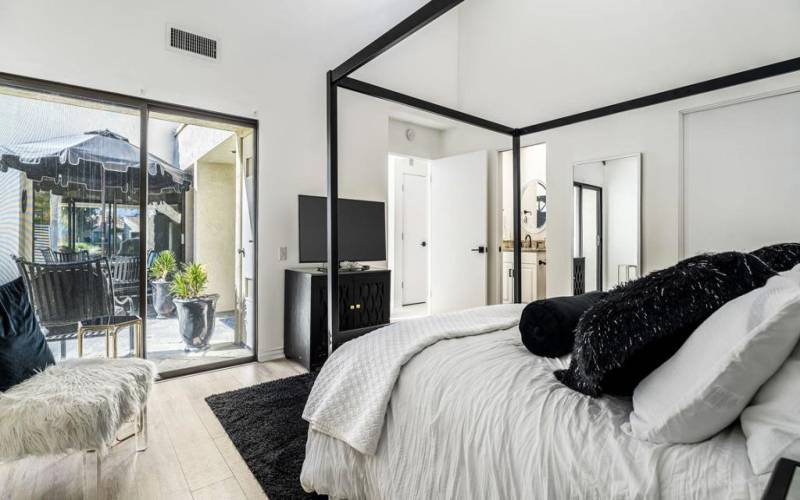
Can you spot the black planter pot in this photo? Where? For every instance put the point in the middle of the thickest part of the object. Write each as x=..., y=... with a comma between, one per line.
x=162, y=299
x=193, y=322
x=196, y=318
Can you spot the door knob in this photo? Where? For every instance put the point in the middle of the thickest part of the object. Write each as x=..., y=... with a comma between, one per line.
x=479, y=249
x=424, y=243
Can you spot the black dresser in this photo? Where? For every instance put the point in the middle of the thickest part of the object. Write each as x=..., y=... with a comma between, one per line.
x=363, y=307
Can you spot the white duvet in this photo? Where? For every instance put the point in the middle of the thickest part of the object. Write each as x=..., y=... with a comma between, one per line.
x=481, y=417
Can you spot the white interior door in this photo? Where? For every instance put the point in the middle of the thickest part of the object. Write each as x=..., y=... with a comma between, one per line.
x=415, y=239
x=458, y=234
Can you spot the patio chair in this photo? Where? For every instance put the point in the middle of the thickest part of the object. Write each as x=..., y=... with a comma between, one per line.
x=65, y=293
x=125, y=277
x=55, y=256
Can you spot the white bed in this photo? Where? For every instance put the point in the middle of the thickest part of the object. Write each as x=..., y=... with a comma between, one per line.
x=481, y=417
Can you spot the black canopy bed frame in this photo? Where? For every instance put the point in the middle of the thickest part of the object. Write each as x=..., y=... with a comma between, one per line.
x=339, y=78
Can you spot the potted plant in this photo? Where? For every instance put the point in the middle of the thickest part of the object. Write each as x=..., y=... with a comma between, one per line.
x=164, y=265
x=196, y=311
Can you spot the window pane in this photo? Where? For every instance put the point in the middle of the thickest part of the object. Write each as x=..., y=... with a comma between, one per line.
x=69, y=195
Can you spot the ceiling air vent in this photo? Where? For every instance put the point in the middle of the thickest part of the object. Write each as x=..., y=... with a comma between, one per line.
x=192, y=42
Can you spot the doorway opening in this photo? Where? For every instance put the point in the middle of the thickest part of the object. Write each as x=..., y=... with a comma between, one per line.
x=438, y=219
x=214, y=228
x=533, y=184
x=409, y=236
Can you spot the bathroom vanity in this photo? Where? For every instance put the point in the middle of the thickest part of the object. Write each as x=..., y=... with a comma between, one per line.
x=534, y=273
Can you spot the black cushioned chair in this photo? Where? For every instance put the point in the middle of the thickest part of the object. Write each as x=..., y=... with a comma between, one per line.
x=65, y=293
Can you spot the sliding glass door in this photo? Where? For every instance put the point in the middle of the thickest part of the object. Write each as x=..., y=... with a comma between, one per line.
x=201, y=311
x=174, y=235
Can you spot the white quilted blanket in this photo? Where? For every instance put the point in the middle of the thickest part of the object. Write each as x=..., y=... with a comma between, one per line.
x=350, y=396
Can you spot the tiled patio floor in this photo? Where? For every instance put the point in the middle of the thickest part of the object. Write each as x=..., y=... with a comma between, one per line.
x=165, y=346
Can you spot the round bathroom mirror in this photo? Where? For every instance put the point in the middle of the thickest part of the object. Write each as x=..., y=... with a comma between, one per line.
x=534, y=206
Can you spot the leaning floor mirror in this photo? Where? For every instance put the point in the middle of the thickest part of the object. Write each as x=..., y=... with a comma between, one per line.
x=607, y=220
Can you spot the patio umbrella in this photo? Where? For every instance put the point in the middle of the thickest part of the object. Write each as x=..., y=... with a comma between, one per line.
x=85, y=165
x=96, y=161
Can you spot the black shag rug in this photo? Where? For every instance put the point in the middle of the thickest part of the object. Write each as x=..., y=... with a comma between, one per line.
x=265, y=424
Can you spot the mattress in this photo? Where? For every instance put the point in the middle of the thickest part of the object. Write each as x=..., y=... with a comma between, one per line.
x=481, y=417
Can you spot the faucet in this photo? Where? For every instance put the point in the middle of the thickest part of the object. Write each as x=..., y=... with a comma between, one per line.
x=528, y=241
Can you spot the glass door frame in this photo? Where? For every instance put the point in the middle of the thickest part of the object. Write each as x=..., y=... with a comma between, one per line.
x=144, y=107
x=581, y=187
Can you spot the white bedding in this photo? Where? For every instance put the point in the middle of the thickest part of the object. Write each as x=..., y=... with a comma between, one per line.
x=481, y=417
x=349, y=398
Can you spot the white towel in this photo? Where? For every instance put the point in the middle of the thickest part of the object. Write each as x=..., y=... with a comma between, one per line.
x=350, y=396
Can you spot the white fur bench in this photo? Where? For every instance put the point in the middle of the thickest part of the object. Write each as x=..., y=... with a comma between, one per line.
x=76, y=405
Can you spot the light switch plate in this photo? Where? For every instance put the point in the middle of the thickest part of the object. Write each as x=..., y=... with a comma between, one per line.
x=283, y=253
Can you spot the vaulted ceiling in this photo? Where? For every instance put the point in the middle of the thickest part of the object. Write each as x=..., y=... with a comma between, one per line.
x=524, y=61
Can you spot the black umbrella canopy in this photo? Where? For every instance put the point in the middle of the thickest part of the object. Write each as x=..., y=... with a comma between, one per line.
x=97, y=161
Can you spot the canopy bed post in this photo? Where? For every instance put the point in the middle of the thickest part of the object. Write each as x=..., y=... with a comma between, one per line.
x=423, y=16
x=517, y=188
x=333, y=211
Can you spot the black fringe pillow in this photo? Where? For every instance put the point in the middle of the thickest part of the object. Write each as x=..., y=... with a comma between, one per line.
x=781, y=257
x=641, y=324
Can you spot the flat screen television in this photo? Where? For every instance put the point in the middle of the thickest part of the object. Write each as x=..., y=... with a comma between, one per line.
x=362, y=230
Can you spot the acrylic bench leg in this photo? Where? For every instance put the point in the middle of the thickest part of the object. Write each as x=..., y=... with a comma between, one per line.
x=92, y=466
x=141, y=430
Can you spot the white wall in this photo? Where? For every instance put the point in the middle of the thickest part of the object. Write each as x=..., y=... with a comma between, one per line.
x=214, y=223
x=274, y=56
x=427, y=142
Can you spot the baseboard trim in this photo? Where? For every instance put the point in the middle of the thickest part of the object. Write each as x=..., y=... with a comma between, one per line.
x=271, y=354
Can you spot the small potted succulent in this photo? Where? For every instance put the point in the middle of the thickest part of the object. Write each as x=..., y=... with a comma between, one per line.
x=196, y=311
x=163, y=267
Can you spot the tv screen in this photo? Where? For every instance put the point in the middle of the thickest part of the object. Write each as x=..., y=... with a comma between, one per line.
x=362, y=230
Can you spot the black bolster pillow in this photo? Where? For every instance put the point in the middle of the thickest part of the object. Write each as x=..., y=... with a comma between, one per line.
x=548, y=326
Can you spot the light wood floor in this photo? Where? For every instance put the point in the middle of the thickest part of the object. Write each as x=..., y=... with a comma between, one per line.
x=189, y=455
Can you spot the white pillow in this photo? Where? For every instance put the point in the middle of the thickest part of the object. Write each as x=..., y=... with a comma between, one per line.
x=704, y=387
x=793, y=274
x=771, y=422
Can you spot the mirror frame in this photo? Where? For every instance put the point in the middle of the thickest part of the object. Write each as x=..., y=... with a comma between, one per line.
x=537, y=183
x=640, y=157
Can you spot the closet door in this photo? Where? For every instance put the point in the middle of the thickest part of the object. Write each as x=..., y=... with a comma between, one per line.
x=740, y=174
x=458, y=231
